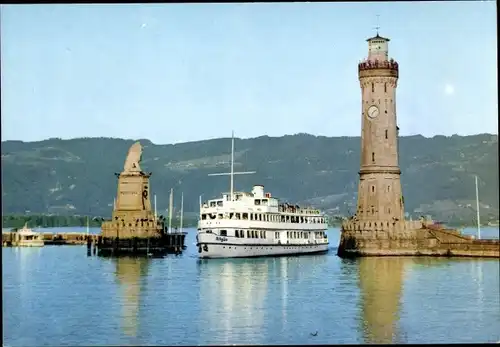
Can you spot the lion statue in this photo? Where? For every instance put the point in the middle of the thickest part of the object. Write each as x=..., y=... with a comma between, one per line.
x=133, y=158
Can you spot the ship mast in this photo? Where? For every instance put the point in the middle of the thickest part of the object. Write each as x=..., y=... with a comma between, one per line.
x=232, y=166
x=232, y=173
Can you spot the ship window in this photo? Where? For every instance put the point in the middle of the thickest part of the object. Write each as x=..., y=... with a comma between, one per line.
x=203, y=216
x=373, y=87
x=388, y=210
x=373, y=156
x=386, y=132
x=257, y=201
x=238, y=216
x=260, y=217
x=219, y=216
x=245, y=216
x=373, y=209
x=219, y=203
x=388, y=188
x=223, y=233
x=248, y=234
x=373, y=189
x=385, y=87
x=264, y=201
x=212, y=203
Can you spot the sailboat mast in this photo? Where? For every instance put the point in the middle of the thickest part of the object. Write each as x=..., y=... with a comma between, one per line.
x=170, y=209
x=477, y=211
x=182, y=211
x=232, y=166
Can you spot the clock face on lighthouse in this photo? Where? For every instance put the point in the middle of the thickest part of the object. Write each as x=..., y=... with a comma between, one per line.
x=372, y=112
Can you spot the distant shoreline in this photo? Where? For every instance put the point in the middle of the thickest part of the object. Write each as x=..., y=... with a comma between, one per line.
x=54, y=221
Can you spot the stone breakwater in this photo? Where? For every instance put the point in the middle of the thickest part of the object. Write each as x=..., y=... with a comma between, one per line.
x=425, y=241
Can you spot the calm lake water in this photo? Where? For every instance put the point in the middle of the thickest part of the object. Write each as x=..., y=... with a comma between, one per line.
x=56, y=295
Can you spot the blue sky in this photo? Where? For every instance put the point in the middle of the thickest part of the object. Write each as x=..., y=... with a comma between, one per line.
x=183, y=72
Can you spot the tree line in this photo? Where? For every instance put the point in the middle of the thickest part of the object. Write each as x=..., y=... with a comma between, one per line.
x=55, y=221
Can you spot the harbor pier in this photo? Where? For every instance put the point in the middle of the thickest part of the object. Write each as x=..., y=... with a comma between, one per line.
x=55, y=239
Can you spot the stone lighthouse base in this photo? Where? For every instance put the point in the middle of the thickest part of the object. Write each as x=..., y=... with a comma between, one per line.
x=410, y=238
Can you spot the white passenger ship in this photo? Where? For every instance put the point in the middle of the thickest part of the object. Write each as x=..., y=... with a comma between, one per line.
x=242, y=224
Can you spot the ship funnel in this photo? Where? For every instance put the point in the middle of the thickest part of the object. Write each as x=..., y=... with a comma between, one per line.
x=258, y=191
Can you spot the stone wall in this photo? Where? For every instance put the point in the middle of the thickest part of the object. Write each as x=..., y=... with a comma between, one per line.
x=423, y=241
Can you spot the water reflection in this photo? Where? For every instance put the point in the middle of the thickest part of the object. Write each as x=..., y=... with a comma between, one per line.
x=27, y=257
x=232, y=294
x=381, y=284
x=237, y=295
x=283, y=266
x=129, y=272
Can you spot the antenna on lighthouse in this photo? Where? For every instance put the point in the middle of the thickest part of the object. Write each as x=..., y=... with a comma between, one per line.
x=377, y=27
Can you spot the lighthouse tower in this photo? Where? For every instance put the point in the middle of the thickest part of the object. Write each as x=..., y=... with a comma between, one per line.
x=379, y=191
x=378, y=227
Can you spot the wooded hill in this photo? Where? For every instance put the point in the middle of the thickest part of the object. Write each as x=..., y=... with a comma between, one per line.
x=67, y=177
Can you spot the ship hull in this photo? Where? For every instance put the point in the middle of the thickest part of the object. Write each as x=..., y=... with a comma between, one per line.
x=231, y=250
